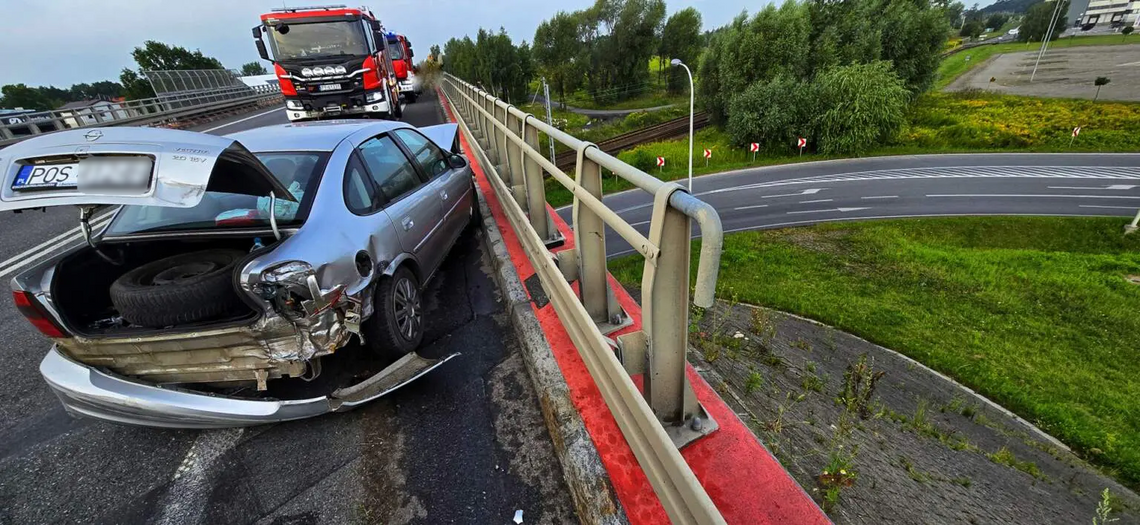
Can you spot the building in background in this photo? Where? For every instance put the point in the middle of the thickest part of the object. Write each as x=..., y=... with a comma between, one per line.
x=1111, y=13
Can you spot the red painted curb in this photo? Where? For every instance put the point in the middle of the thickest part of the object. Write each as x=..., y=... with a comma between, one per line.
x=745, y=482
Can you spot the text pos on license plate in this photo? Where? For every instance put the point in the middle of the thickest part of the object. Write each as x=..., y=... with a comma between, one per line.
x=328, y=87
x=107, y=173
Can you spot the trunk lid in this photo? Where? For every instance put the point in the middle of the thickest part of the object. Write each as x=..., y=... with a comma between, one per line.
x=183, y=166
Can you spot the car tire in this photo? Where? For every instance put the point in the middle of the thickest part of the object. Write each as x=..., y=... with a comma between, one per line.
x=411, y=98
x=396, y=327
x=183, y=289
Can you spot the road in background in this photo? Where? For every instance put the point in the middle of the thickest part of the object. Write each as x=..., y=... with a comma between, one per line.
x=905, y=186
x=465, y=443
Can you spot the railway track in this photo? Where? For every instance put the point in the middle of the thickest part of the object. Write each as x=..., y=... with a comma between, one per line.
x=665, y=130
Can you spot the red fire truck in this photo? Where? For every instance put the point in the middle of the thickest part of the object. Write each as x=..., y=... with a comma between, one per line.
x=401, y=50
x=331, y=61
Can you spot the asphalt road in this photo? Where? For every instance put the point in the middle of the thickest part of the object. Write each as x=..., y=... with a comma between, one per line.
x=904, y=186
x=464, y=444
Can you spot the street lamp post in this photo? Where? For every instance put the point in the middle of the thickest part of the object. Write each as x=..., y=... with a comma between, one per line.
x=692, y=99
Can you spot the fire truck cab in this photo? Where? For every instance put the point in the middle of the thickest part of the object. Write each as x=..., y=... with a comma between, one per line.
x=331, y=61
x=400, y=48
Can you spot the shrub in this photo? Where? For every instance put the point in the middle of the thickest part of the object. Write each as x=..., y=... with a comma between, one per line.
x=861, y=106
x=643, y=160
x=772, y=113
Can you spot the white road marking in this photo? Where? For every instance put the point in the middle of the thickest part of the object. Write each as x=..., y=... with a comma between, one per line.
x=754, y=206
x=1129, y=64
x=1110, y=207
x=1033, y=196
x=841, y=210
x=880, y=197
x=815, y=201
x=38, y=251
x=1109, y=187
x=812, y=191
x=239, y=121
x=189, y=490
x=642, y=223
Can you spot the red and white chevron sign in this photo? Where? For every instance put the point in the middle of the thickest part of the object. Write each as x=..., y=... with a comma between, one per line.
x=801, y=143
x=660, y=162
x=754, y=147
x=708, y=153
x=1076, y=131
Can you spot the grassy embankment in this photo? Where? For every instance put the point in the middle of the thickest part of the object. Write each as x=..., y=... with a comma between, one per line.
x=1034, y=313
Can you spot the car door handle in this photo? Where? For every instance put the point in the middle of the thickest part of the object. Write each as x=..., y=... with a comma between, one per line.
x=443, y=194
x=408, y=223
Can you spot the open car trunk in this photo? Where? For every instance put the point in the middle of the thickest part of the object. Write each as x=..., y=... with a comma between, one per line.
x=82, y=283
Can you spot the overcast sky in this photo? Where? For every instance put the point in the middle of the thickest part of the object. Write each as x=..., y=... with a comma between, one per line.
x=62, y=42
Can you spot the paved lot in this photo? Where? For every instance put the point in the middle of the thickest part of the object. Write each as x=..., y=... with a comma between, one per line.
x=1063, y=73
x=464, y=444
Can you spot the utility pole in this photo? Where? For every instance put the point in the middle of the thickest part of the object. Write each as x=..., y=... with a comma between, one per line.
x=1048, y=35
x=549, y=116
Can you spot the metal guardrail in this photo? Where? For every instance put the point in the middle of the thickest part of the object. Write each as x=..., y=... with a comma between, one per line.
x=667, y=415
x=132, y=112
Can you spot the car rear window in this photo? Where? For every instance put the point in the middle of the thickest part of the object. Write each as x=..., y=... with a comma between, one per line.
x=299, y=172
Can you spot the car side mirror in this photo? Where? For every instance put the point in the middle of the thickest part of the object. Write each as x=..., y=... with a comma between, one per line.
x=457, y=162
x=257, y=32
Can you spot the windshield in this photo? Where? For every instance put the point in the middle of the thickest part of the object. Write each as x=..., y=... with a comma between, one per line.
x=296, y=171
x=319, y=40
x=396, y=50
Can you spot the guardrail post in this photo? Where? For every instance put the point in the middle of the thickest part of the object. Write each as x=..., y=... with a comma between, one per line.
x=590, y=239
x=535, y=191
x=665, y=313
x=514, y=164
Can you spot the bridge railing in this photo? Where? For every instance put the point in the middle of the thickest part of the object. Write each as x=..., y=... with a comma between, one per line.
x=132, y=112
x=668, y=415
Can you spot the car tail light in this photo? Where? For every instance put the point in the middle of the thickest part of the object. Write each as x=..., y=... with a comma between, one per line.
x=31, y=309
x=287, y=88
x=371, y=77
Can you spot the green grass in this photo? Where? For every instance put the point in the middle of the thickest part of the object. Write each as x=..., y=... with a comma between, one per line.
x=1034, y=313
x=959, y=63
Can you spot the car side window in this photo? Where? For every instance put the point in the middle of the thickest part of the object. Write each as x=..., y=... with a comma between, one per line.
x=359, y=193
x=390, y=168
x=430, y=157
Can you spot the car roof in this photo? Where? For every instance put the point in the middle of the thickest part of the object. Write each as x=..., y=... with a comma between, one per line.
x=321, y=135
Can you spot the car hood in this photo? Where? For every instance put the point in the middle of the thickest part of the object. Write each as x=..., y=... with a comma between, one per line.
x=186, y=165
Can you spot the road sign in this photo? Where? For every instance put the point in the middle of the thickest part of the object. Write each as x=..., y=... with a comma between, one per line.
x=754, y=147
x=708, y=153
x=660, y=162
x=1076, y=131
x=802, y=143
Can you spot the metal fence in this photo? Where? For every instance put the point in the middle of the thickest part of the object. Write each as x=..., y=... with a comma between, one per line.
x=667, y=416
x=134, y=112
x=181, y=81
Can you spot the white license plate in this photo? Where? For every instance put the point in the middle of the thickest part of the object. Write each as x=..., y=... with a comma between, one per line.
x=98, y=173
x=328, y=87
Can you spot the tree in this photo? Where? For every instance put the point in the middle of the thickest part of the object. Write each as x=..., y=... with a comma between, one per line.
x=1036, y=21
x=557, y=52
x=436, y=54
x=22, y=96
x=773, y=113
x=253, y=68
x=1099, y=83
x=681, y=39
x=997, y=20
x=954, y=14
x=971, y=29
x=860, y=106
x=157, y=56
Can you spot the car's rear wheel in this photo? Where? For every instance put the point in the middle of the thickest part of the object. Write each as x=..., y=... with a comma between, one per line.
x=182, y=289
x=396, y=327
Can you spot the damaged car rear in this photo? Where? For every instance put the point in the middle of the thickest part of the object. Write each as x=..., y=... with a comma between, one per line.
x=233, y=264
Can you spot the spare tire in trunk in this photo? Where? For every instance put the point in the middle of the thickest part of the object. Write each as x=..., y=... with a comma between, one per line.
x=182, y=289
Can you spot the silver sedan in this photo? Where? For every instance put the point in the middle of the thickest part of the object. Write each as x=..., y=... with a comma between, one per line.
x=235, y=264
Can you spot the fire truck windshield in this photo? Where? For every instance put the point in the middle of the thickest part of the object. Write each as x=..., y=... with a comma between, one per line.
x=396, y=50
x=319, y=40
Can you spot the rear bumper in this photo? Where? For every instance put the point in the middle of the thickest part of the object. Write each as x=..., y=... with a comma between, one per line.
x=89, y=392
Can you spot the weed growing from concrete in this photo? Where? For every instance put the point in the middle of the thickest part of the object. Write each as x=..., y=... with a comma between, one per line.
x=812, y=382
x=754, y=382
x=1104, y=509
x=1005, y=457
x=859, y=386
